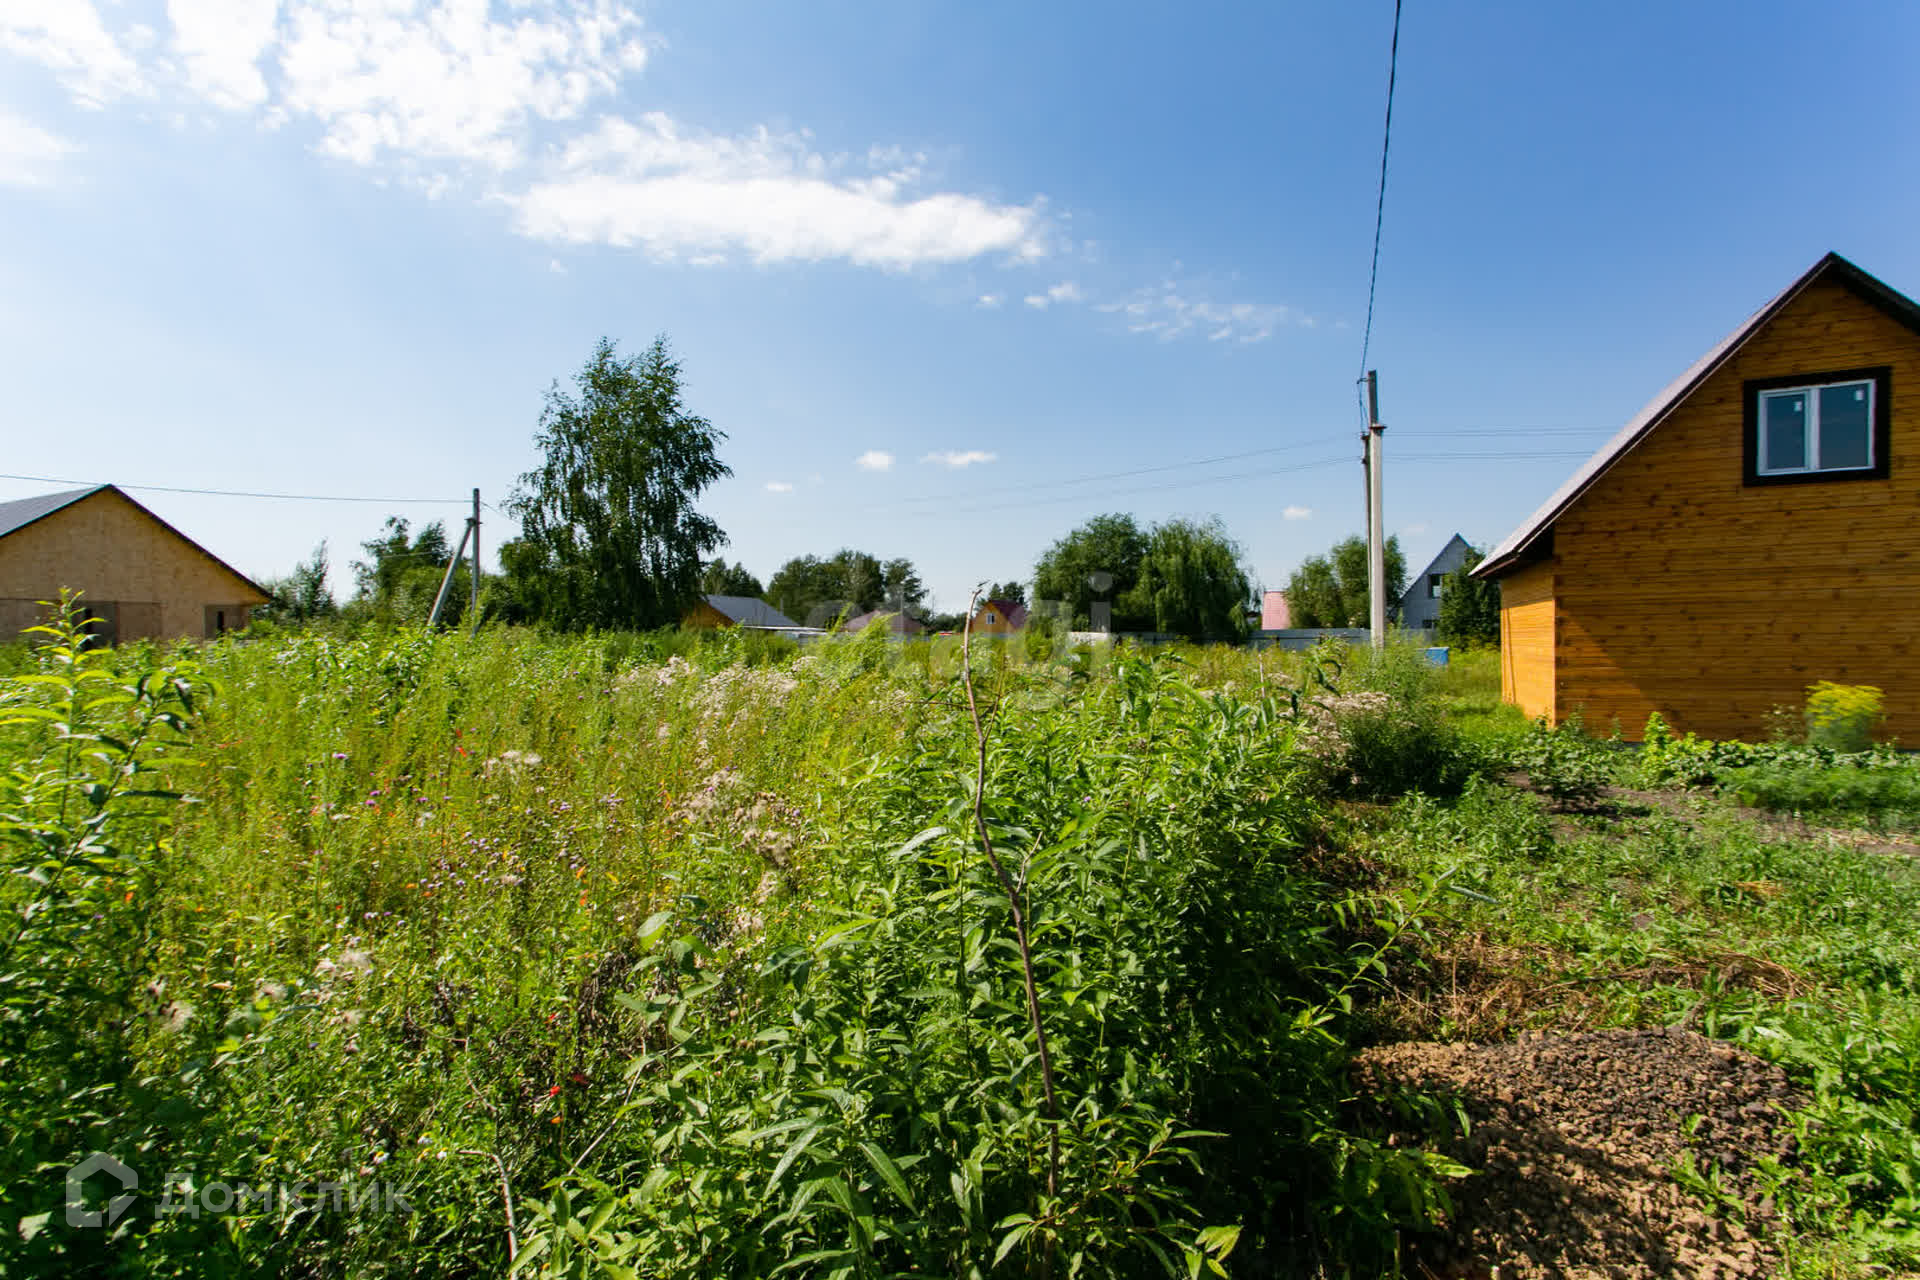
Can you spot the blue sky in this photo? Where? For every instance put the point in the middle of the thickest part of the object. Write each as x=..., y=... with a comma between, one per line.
x=951, y=278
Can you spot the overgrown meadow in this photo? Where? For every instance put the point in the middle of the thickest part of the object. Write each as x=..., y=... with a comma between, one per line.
x=617, y=960
x=387, y=954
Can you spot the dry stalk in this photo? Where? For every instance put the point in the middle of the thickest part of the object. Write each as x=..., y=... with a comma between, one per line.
x=1018, y=912
x=506, y=1199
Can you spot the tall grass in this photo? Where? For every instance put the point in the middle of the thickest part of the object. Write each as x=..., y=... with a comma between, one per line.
x=623, y=956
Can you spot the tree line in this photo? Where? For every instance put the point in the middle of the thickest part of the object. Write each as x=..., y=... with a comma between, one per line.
x=612, y=537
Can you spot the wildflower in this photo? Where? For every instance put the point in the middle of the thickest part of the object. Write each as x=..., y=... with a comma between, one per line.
x=553, y=1092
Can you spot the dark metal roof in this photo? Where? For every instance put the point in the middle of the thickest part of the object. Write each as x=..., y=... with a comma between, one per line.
x=22, y=512
x=1896, y=304
x=17, y=515
x=749, y=611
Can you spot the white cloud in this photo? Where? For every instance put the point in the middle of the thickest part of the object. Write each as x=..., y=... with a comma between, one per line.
x=960, y=458
x=28, y=153
x=685, y=194
x=507, y=100
x=445, y=80
x=1168, y=312
x=68, y=38
x=556, y=266
x=988, y=301
x=874, y=460
x=1297, y=513
x=1065, y=291
x=779, y=486
x=221, y=42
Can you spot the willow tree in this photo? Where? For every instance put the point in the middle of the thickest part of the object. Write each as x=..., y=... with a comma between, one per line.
x=1191, y=582
x=609, y=533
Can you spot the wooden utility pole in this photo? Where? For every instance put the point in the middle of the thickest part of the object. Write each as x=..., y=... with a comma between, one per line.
x=1376, y=540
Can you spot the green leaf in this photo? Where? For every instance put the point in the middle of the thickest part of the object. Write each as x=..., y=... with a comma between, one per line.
x=889, y=1172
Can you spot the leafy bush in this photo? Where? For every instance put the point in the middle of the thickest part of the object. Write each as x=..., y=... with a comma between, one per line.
x=1565, y=764
x=1843, y=716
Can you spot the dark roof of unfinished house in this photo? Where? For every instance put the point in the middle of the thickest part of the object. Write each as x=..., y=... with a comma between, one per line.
x=749, y=611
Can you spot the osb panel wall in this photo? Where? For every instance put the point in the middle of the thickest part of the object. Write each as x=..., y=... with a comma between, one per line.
x=111, y=550
x=1684, y=590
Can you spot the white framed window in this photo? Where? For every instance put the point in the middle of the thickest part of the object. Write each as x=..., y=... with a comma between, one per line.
x=1434, y=581
x=1820, y=427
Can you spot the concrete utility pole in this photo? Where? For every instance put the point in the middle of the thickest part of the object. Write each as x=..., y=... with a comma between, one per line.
x=471, y=532
x=1376, y=540
x=474, y=627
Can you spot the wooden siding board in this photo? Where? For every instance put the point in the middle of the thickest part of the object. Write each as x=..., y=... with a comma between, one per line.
x=1527, y=640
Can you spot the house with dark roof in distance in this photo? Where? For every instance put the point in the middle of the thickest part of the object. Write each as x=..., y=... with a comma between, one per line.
x=899, y=624
x=737, y=611
x=1754, y=529
x=1420, y=602
x=140, y=577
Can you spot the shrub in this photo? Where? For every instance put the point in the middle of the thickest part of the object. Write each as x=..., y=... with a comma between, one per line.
x=1843, y=716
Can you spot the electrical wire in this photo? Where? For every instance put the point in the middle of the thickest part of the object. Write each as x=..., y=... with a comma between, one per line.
x=1380, y=202
x=241, y=493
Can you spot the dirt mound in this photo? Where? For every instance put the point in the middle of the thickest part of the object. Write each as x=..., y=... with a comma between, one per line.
x=1573, y=1144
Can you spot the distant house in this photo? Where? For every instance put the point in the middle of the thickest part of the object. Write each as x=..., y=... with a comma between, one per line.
x=897, y=623
x=736, y=611
x=998, y=617
x=1752, y=530
x=138, y=575
x=1274, y=613
x=1420, y=603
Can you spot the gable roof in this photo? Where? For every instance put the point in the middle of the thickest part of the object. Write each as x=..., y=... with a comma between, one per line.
x=749, y=611
x=18, y=514
x=1440, y=555
x=22, y=512
x=1890, y=300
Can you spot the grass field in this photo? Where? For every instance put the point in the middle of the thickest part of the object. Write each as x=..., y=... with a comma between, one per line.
x=658, y=956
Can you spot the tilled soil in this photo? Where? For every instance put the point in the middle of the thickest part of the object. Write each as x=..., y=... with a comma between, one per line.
x=1573, y=1142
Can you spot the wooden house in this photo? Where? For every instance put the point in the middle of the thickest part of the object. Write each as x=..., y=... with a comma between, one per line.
x=998, y=618
x=736, y=611
x=1420, y=602
x=138, y=575
x=1752, y=530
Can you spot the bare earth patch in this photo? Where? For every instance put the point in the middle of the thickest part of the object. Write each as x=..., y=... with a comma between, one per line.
x=1574, y=1141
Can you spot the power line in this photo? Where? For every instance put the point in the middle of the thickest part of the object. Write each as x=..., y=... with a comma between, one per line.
x=1121, y=475
x=241, y=493
x=1380, y=204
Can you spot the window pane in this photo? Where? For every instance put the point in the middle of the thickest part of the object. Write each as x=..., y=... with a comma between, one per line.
x=1846, y=426
x=1784, y=432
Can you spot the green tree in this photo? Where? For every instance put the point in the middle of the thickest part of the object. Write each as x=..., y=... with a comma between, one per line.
x=1099, y=562
x=612, y=536
x=815, y=591
x=1469, y=606
x=1331, y=590
x=1192, y=583
x=396, y=583
x=1012, y=591
x=303, y=595
x=718, y=578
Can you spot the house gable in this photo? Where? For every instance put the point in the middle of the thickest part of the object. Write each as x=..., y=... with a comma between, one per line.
x=1680, y=585
x=105, y=545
